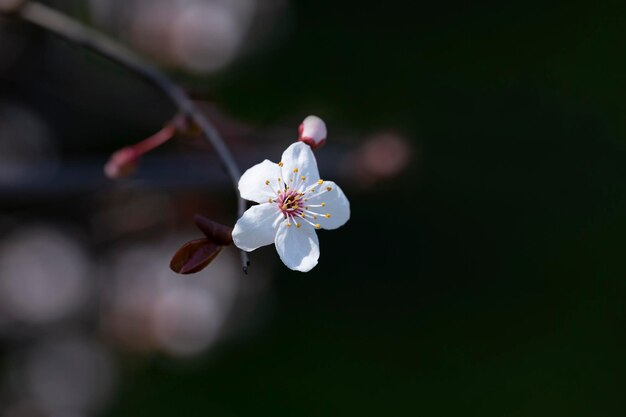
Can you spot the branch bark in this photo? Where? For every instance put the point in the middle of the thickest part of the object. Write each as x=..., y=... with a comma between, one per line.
x=79, y=34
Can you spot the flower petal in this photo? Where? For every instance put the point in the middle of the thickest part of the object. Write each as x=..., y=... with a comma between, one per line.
x=298, y=248
x=257, y=227
x=336, y=205
x=252, y=184
x=299, y=156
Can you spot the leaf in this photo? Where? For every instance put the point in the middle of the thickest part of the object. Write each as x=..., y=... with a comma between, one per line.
x=194, y=256
x=217, y=232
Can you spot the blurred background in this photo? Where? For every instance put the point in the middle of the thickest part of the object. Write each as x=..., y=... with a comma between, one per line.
x=481, y=145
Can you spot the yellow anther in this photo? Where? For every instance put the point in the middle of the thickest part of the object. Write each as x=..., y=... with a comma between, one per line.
x=267, y=182
x=303, y=178
x=323, y=204
x=280, y=164
x=295, y=170
x=317, y=226
x=327, y=216
x=303, y=215
x=288, y=225
x=269, y=200
x=298, y=225
x=320, y=181
x=314, y=216
x=313, y=190
x=328, y=188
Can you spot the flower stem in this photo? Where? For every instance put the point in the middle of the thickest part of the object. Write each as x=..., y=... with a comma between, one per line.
x=77, y=33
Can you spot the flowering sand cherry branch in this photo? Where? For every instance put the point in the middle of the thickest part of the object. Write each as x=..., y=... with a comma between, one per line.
x=293, y=202
x=64, y=26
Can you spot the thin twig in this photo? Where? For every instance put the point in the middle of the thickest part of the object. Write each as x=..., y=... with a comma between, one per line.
x=77, y=33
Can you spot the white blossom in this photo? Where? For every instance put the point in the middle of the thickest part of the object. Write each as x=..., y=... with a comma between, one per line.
x=293, y=203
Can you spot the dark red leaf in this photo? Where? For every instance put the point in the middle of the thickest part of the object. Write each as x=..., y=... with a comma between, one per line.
x=194, y=256
x=217, y=232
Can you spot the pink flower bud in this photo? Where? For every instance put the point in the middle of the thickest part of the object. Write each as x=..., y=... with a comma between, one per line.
x=122, y=163
x=313, y=132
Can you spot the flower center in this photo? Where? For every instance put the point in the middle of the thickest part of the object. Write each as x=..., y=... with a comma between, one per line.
x=290, y=202
x=295, y=198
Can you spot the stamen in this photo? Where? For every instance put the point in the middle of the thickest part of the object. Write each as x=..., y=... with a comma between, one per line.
x=267, y=182
x=314, y=214
x=317, y=226
x=327, y=216
x=293, y=175
x=298, y=225
x=320, y=193
x=300, y=183
x=320, y=182
x=280, y=164
x=312, y=187
x=309, y=222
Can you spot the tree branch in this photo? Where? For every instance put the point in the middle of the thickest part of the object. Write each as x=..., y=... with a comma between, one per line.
x=77, y=33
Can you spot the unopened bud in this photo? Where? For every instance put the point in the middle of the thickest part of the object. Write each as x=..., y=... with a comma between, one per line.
x=122, y=163
x=313, y=132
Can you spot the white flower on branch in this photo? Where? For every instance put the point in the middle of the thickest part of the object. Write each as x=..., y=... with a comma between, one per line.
x=293, y=203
